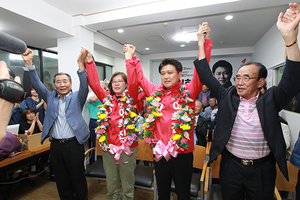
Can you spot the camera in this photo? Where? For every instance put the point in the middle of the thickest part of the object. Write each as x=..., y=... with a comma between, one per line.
x=9, y=89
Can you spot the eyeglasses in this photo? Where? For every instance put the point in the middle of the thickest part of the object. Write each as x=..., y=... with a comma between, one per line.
x=245, y=78
x=115, y=82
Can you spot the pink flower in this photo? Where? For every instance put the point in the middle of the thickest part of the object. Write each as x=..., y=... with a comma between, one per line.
x=155, y=104
x=104, y=123
x=100, y=131
x=183, y=140
x=187, y=135
x=186, y=118
x=126, y=121
x=150, y=120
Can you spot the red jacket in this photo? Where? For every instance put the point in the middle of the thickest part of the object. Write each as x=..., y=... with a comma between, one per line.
x=116, y=132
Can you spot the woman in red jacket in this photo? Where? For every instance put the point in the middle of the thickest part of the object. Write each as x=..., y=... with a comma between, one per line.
x=117, y=132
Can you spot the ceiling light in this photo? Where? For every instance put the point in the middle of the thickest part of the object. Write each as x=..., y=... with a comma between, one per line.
x=186, y=37
x=228, y=17
x=183, y=45
x=147, y=48
x=120, y=30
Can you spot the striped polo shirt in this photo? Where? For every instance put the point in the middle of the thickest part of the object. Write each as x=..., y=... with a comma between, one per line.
x=247, y=138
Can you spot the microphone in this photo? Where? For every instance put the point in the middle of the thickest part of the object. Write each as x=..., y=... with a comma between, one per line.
x=11, y=44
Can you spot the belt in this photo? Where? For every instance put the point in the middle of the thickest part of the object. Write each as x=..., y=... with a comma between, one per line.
x=248, y=162
x=63, y=141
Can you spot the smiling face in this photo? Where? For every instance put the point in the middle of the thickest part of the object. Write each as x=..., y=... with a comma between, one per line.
x=118, y=85
x=198, y=107
x=169, y=76
x=62, y=85
x=222, y=75
x=248, y=89
x=30, y=116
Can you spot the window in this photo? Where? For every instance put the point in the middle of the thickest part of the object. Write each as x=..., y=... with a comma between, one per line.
x=104, y=71
x=46, y=63
x=50, y=68
x=17, y=60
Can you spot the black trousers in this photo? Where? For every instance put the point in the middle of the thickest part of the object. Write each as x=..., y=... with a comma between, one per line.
x=179, y=169
x=254, y=182
x=67, y=162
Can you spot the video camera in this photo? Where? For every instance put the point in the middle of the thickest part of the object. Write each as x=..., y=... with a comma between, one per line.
x=9, y=89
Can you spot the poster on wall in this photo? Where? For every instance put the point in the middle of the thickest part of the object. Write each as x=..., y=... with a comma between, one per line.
x=187, y=74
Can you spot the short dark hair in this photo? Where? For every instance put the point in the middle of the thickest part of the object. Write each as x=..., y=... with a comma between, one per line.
x=199, y=101
x=124, y=76
x=225, y=64
x=262, y=70
x=25, y=111
x=62, y=73
x=170, y=61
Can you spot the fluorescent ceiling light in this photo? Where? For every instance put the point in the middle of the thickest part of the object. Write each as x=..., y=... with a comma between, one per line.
x=183, y=45
x=147, y=48
x=120, y=30
x=228, y=17
x=186, y=37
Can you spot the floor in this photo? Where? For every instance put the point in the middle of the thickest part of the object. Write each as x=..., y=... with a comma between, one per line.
x=41, y=187
x=46, y=190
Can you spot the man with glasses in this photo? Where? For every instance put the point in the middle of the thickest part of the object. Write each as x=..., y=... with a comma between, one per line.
x=248, y=134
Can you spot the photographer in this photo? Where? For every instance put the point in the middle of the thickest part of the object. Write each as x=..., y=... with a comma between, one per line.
x=8, y=142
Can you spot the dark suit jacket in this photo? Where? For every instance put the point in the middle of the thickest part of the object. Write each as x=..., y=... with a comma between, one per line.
x=201, y=130
x=268, y=105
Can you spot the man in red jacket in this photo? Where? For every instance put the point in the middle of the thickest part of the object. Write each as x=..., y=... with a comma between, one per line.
x=169, y=126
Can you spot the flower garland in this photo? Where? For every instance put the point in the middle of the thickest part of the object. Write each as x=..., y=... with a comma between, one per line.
x=183, y=117
x=129, y=120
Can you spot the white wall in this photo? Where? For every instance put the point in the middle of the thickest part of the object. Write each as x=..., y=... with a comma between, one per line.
x=269, y=50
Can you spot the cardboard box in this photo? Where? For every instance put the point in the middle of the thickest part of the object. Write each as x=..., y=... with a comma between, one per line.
x=33, y=141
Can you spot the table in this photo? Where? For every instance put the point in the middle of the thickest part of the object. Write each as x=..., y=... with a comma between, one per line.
x=9, y=165
x=24, y=157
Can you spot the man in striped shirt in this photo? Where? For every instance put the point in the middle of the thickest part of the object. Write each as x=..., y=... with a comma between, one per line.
x=248, y=134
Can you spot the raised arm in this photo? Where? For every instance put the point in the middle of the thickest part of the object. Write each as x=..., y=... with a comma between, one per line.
x=201, y=40
x=34, y=78
x=203, y=69
x=134, y=69
x=205, y=29
x=93, y=78
x=195, y=85
x=289, y=31
x=83, y=85
x=132, y=80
